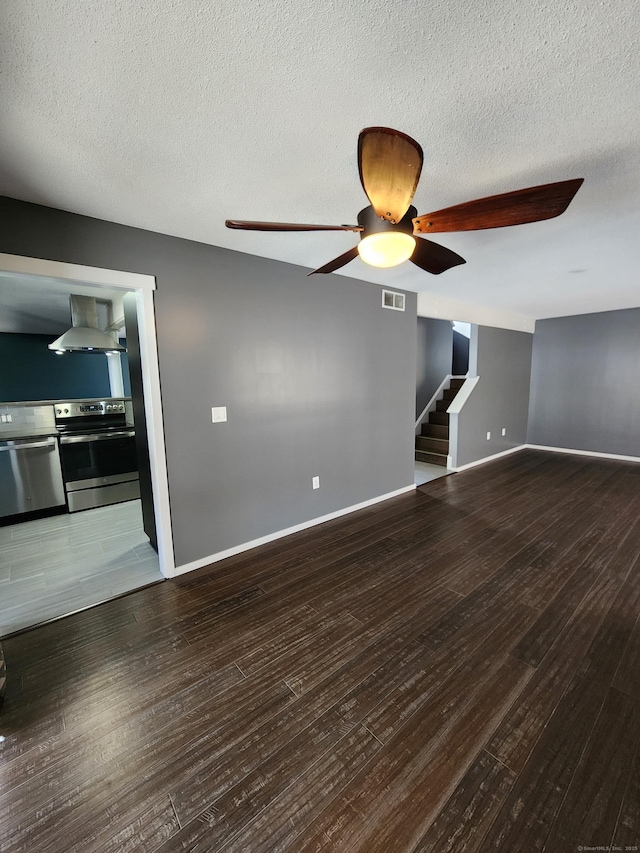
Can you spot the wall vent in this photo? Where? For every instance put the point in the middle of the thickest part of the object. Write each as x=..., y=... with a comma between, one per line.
x=393, y=300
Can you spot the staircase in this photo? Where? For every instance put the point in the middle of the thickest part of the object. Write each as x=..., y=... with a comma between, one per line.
x=433, y=444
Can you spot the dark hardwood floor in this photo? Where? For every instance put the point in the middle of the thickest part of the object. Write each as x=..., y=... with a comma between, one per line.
x=457, y=669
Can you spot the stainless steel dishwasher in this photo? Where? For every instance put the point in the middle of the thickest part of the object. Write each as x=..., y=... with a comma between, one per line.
x=30, y=475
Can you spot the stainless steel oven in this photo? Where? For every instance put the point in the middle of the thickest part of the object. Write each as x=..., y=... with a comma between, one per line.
x=98, y=453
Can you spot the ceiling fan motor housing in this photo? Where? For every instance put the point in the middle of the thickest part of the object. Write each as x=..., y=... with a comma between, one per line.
x=371, y=223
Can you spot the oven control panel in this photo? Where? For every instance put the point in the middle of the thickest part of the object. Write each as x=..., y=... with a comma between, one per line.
x=80, y=409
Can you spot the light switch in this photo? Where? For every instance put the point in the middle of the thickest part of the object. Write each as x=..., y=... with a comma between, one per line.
x=315, y=482
x=218, y=414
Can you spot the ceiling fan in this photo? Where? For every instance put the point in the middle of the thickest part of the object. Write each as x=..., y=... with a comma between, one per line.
x=390, y=163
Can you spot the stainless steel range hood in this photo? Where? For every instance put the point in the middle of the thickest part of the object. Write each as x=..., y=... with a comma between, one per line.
x=84, y=334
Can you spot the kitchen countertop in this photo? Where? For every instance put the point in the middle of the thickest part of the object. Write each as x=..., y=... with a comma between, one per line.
x=42, y=432
x=35, y=419
x=63, y=400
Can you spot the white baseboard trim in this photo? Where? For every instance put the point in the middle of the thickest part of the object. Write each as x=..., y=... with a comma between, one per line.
x=279, y=534
x=583, y=452
x=569, y=450
x=491, y=458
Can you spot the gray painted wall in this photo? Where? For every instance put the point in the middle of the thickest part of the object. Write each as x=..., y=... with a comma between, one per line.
x=585, y=393
x=317, y=377
x=501, y=397
x=460, y=361
x=433, y=358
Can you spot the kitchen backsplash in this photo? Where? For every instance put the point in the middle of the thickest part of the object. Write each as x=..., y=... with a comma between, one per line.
x=26, y=418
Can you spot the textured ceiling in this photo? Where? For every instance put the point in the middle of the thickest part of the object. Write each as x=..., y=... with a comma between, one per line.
x=173, y=115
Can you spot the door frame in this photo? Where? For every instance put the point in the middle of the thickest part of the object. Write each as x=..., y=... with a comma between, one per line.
x=143, y=286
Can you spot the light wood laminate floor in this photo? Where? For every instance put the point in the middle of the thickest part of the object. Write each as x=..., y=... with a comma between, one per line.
x=53, y=566
x=456, y=669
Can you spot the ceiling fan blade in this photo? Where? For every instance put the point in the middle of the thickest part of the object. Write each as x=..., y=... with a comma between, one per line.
x=338, y=262
x=516, y=208
x=244, y=225
x=390, y=163
x=433, y=257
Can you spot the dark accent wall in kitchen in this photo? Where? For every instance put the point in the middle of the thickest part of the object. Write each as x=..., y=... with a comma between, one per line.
x=126, y=377
x=30, y=371
x=584, y=387
x=136, y=392
x=318, y=379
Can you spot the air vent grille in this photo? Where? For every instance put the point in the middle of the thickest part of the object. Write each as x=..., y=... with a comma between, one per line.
x=393, y=300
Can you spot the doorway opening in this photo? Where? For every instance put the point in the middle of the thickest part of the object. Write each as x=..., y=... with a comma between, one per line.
x=442, y=363
x=123, y=518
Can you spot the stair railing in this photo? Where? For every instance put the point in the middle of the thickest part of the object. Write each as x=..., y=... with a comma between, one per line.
x=431, y=405
x=453, y=411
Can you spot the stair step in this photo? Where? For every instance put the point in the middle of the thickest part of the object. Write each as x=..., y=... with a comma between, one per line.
x=435, y=431
x=456, y=383
x=432, y=458
x=449, y=393
x=441, y=418
x=434, y=445
x=442, y=405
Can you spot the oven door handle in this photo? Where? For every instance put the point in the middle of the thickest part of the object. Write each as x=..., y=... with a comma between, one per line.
x=100, y=436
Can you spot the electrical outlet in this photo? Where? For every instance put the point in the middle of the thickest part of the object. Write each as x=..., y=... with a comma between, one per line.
x=218, y=414
x=488, y=436
x=316, y=482
x=504, y=430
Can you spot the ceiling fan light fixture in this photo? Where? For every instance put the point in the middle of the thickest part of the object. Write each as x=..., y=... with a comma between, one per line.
x=386, y=248
x=390, y=163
